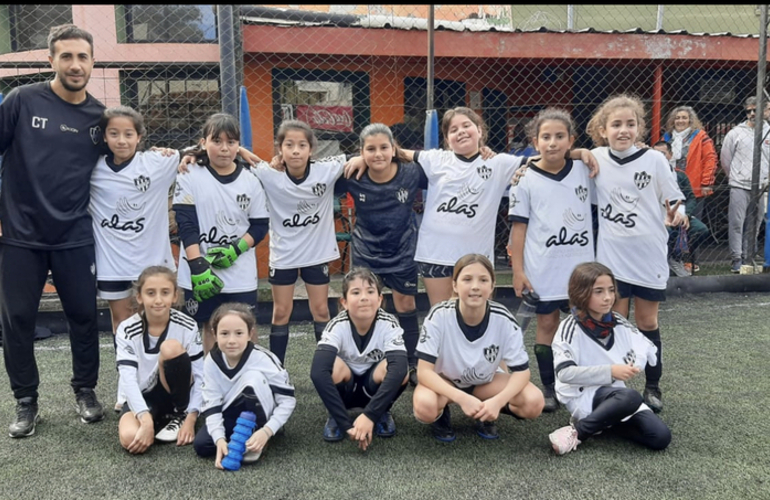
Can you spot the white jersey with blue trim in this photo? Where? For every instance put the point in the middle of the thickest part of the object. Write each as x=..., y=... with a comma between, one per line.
x=557, y=211
x=386, y=335
x=462, y=204
x=302, y=230
x=224, y=205
x=129, y=208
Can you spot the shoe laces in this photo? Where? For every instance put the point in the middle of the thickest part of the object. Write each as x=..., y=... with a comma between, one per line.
x=24, y=411
x=86, y=397
x=176, y=421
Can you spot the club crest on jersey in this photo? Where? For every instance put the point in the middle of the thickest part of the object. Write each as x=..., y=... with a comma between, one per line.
x=582, y=193
x=319, y=189
x=402, y=195
x=630, y=358
x=96, y=134
x=484, y=172
x=375, y=355
x=192, y=306
x=142, y=183
x=491, y=352
x=243, y=201
x=642, y=179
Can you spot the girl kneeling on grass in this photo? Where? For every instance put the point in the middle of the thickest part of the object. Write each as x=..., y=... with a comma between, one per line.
x=595, y=351
x=241, y=376
x=160, y=358
x=463, y=343
x=360, y=361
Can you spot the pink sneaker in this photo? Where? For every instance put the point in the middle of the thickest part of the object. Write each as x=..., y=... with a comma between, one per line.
x=564, y=440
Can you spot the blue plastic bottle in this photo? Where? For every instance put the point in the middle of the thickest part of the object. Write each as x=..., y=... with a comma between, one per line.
x=244, y=428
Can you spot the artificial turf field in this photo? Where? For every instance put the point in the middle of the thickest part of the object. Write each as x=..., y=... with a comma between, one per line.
x=716, y=395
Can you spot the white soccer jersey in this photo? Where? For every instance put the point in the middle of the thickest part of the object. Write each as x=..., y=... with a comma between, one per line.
x=573, y=347
x=469, y=363
x=462, y=205
x=224, y=206
x=259, y=369
x=129, y=208
x=631, y=193
x=557, y=211
x=137, y=357
x=302, y=230
x=386, y=335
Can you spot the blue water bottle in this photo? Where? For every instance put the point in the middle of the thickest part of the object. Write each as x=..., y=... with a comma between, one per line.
x=526, y=312
x=244, y=428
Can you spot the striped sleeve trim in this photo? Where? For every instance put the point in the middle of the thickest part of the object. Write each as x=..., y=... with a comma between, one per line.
x=387, y=317
x=212, y=411
x=447, y=304
x=133, y=329
x=284, y=391
x=182, y=319
x=568, y=330
x=126, y=362
x=564, y=365
x=426, y=357
x=497, y=308
x=518, y=218
x=197, y=356
x=519, y=368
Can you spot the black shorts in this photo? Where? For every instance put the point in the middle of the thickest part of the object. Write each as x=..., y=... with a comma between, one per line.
x=360, y=389
x=550, y=306
x=202, y=311
x=114, y=290
x=159, y=403
x=434, y=270
x=312, y=275
x=403, y=281
x=626, y=290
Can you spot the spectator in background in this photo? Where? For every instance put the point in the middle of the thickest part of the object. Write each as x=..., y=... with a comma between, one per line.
x=737, y=161
x=693, y=152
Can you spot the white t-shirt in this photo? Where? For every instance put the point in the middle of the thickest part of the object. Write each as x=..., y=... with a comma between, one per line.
x=386, y=335
x=129, y=208
x=224, y=205
x=557, y=211
x=465, y=362
x=462, y=205
x=137, y=357
x=630, y=194
x=302, y=214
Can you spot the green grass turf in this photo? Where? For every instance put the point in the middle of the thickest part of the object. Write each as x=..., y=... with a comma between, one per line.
x=716, y=397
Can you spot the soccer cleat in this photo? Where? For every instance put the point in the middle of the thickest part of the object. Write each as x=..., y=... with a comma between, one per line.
x=413, y=376
x=170, y=432
x=386, y=426
x=442, y=427
x=564, y=440
x=487, y=430
x=26, y=418
x=332, y=432
x=88, y=407
x=653, y=399
x=549, y=394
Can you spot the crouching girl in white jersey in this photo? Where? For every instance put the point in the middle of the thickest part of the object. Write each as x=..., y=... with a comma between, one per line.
x=241, y=376
x=462, y=345
x=360, y=362
x=595, y=352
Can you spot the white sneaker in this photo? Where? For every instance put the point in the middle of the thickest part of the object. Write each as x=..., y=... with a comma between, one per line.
x=170, y=432
x=564, y=440
x=251, y=456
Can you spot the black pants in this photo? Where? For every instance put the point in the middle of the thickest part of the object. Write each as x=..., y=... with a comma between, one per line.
x=23, y=272
x=611, y=405
x=205, y=447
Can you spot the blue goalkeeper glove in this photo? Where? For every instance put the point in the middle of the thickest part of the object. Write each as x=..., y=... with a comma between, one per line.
x=224, y=256
x=205, y=283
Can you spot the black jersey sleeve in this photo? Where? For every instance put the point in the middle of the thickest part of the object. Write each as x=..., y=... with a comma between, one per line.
x=321, y=375
x=258, y=228
x=341, y=186
x=189, y=227
x=9, y=116
x=389, y=389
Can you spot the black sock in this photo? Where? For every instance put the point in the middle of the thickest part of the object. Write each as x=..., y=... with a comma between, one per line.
x=178, y=373
x=653, y=373
x=544, y=355
x=279, y=340
x=318, y=328
x=408, y=321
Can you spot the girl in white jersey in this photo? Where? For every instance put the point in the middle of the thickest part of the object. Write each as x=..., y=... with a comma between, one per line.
x=159, y=354
x=360, y=362
x=302, y=235
x=637, y=197
x=595, y=352
x=241, y=376
x=463, y=343
x=552, y=231
x=222, y=214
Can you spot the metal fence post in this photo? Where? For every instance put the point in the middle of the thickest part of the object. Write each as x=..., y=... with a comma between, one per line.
x=229, y=87
x=759, y=123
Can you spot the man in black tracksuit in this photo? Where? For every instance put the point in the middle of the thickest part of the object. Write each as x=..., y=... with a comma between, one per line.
x=50, y=141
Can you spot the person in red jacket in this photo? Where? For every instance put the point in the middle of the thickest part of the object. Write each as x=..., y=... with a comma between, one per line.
x=693, y=152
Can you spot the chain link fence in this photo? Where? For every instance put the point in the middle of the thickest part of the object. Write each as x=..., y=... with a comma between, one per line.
x=341, y=67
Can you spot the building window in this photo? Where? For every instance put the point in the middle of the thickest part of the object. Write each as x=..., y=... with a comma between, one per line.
x=174, y=104
x=170, y=23
x=30, y=24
